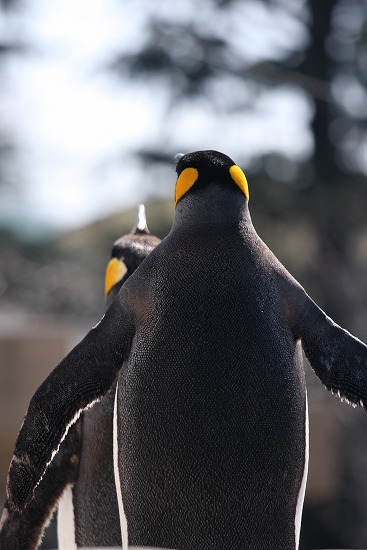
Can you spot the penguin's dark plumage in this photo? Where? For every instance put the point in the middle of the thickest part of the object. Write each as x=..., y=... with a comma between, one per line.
x=24, y=530
x=96, y=515
x=204, y=341
x=80, y=478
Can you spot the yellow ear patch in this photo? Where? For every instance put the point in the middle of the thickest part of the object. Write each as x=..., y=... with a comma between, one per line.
x=240, y=179
x=115, y=270
x=185, y=180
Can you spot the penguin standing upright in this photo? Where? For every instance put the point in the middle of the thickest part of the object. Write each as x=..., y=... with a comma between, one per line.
x=204, y=340
x=95, y=517
x=82, y=472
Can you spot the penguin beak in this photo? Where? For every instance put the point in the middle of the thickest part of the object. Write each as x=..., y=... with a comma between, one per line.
x=115, y=271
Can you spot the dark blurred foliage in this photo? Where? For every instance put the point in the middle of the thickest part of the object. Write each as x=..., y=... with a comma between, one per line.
x=64, y=275
x=8, y=161
x=41, y=279
x=9, y=47
x=9, y=4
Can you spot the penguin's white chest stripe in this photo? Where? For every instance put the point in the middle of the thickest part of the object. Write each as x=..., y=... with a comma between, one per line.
x=123, y=520
x=302, y=489
x=65, y=521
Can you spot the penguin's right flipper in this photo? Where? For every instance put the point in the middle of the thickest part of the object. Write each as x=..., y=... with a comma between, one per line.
x=338, y=358
x=24, y=530
x=82, y=378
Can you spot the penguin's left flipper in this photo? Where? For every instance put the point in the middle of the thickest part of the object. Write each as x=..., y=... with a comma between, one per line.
x=24, y=531
x=82, y=378
x=338, y=358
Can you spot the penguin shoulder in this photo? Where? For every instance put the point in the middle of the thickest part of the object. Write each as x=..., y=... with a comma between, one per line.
x=285, y=291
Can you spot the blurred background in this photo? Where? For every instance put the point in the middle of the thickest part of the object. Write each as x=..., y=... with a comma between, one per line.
x=96, y=98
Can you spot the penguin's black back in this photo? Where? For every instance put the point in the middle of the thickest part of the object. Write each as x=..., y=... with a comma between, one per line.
x=212, y=403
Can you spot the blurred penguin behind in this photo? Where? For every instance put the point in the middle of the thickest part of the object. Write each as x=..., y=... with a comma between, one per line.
x=80, y=478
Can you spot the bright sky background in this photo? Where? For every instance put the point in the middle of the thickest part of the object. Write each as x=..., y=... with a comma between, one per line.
x=76, y=123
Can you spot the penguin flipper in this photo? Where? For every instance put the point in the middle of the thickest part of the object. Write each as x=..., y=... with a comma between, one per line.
x=82, y=378
x=24, y=530
x=338, y=358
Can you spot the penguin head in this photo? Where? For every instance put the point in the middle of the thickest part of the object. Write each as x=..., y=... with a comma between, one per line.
x=127, y=254
x=204, y=168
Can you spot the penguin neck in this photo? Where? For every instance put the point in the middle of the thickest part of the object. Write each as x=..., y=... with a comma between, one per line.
x=213, y=205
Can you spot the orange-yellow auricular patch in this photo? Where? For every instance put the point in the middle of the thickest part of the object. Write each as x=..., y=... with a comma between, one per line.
x=240, y=179
x=115, y=270
x=185, y=180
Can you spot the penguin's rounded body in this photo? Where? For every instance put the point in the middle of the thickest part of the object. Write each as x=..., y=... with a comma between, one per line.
x=216, y=456
x=204, y=341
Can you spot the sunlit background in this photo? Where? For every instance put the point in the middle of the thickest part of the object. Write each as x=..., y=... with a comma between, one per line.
x=78, y=103
x=96, y=98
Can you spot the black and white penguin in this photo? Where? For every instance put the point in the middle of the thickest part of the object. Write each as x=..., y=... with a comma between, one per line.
x=80, y=478
x=204, y=340
x=88, y=513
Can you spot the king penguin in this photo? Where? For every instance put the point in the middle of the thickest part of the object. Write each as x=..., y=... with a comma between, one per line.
x=94, y=500
x=204, y=341
x=82, y=470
